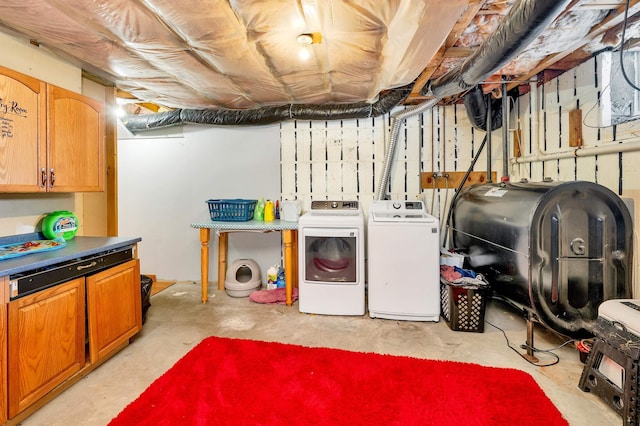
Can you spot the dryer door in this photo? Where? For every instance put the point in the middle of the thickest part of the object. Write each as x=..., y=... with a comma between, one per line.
x=330, y=255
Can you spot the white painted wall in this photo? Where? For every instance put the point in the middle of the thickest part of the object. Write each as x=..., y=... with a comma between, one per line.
x=165, y=179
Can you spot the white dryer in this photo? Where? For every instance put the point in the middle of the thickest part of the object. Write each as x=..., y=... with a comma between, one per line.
x=403, y=243
x=331, y=258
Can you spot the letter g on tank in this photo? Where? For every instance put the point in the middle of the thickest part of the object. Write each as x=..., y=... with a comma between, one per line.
x=577, y=246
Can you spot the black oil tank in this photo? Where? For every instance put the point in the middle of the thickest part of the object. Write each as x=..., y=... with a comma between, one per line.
x=556, y=249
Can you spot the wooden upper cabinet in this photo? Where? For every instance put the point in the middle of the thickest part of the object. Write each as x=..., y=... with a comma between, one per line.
x=51, y=139
x=22, y=128
x=75, y=142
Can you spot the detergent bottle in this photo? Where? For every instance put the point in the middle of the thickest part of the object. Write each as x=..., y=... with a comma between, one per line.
x=61, y=223
x=269, y=211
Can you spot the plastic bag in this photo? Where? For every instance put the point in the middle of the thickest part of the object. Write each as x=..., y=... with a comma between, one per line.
x=280, y=282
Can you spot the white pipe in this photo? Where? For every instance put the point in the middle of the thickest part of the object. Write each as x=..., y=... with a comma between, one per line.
x=612, y=148
x=540, y=154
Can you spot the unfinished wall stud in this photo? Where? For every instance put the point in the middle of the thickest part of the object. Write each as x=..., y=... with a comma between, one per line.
x=517, y=143
x=575, y=128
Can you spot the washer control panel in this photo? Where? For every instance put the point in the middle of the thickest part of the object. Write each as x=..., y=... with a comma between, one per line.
x=407, y=205
x=399, y=211
x=397, y=206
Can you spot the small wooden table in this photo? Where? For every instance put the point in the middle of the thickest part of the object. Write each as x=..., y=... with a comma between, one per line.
x=289, y=240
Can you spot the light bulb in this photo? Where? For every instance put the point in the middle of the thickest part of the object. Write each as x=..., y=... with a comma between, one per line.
x=304, y=53
x=304, y=39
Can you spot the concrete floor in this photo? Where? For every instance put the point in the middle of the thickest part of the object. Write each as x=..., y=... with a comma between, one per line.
x=177, y=321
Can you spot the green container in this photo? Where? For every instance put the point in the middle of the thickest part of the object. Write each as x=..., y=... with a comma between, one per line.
x=61, y=223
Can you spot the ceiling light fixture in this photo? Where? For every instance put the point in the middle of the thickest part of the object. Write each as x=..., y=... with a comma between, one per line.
x=307, y=39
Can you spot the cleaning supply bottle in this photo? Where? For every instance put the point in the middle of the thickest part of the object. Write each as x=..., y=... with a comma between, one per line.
x=269, y=211
x=258, y=213
x=61, y=223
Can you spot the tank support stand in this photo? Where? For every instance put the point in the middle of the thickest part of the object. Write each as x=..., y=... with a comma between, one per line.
x=530, y=351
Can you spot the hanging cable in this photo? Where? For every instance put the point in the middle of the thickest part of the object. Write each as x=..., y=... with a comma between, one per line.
x=433, y=194
x=464, y=179
x=443, y=209
x=624, y=31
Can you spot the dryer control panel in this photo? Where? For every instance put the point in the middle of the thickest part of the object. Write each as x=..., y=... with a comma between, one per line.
x=334, y=205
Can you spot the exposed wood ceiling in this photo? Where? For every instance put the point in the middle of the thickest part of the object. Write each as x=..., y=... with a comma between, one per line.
x=239, y=54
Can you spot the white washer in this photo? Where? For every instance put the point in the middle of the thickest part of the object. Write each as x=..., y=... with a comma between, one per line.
x=331, y=259
x=403, y=261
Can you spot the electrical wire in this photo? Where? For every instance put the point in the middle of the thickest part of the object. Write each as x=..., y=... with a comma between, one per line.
x=555, y=357
x=596, y=103
x=443, y=209
x=433, y=194
x=462, y=181
x=624, y=31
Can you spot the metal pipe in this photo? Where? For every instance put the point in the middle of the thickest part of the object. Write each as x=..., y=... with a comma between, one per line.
x=505, y=129
x=489, y=128
x=530, y=351
x=396, y=122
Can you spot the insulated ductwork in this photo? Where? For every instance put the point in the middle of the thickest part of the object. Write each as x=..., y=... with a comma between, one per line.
x=524, y=22
x=521, y=26
x=476, y=105
x=267, y=115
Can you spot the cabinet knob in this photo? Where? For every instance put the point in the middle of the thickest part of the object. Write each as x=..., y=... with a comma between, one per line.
x=52, y=179
x=43, y=177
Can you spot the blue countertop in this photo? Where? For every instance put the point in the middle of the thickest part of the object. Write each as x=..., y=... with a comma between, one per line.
x=76, y=248
x=248, y=225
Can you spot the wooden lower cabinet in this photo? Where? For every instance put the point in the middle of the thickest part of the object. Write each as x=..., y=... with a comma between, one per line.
x=46, y=342
x=3, y=361
x=114, y=307
x=57, y=335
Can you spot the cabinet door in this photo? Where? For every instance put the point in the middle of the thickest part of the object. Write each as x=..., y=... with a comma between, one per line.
x=114, y=306
x=46, y=342
x=75, y=143
x=4, y=284
x=22, y=128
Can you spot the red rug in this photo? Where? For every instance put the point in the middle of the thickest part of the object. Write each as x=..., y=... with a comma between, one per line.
x=242, y=382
